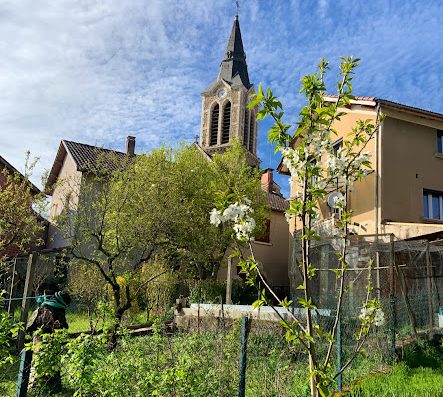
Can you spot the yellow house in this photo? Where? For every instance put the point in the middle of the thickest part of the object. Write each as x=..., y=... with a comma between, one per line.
x=403, y=194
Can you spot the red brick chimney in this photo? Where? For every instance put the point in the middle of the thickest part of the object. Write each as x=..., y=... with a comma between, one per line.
x=267, y=180
x=130, y=145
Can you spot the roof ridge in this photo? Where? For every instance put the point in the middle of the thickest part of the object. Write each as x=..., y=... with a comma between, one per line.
x=93, y=146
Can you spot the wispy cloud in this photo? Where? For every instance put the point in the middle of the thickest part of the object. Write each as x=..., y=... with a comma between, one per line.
x=96, y=71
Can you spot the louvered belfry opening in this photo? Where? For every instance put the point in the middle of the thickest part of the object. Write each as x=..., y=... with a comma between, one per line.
x=226, y=123
x=246, y=129
x=214, y=125
x=251, y=133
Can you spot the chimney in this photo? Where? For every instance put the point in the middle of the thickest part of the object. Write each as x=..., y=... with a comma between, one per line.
x=266, y=180
x=130, y=145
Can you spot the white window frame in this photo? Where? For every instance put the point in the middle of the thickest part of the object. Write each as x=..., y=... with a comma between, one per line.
x=429, y=195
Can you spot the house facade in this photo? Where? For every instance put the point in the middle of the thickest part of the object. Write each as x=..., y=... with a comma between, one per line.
x=403, y=194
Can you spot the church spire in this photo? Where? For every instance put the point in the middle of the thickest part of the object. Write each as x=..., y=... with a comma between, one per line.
x=233, y=68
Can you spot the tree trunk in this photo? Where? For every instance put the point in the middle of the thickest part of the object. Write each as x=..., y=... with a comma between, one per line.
x=119, y=311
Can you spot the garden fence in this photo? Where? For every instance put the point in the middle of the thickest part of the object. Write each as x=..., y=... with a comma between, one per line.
x=202, y=356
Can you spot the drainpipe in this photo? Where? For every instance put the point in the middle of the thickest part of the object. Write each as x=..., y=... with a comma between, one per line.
x=376, y=200
x=376, y=175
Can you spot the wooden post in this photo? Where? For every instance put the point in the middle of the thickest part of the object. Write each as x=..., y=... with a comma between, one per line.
x=429, y=285
x=229, y=283
x=404, y=292
x=11, y=290
x=377, y=274
x=339, y=356
x=32, y=261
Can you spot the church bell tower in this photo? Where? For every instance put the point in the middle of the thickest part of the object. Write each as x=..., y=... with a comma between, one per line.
x=224, y=112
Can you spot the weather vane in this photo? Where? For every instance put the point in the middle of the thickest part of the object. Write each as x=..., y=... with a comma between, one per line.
x=237, y=3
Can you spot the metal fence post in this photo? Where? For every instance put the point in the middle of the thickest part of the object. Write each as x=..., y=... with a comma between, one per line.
x=339, y=356
x=392, y=300
x=393, y=326
x=23, y=373
x=243, y=351
x=198, y=309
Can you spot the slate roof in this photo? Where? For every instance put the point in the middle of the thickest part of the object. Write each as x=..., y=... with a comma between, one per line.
x=86, y=158
x=233, y=68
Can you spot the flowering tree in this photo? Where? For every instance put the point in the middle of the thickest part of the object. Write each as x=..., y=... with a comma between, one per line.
x=309, y=155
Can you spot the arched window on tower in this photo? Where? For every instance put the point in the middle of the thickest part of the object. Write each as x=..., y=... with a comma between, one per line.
x=214, y=125
x=246, y=129
x=226, y=123
x=251, y=132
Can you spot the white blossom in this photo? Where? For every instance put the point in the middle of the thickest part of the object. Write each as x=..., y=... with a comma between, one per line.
x=244, y=228
x=238, y=214
x=216, y=218
x=373, y=315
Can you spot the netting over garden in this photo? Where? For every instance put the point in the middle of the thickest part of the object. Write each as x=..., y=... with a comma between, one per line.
x=407, y=277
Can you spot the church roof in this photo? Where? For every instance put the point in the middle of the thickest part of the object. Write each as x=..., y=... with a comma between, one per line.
x=233, y=68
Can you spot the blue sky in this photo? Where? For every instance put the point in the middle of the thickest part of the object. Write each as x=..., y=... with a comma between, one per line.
x=95, y=71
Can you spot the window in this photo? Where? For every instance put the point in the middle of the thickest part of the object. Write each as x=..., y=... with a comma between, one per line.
x=214, y=125
x=226, y=123
x=336, y=146
x=246, y=129
x=439, y=141
x=251, y=132
x=266, y=235
x=432, y=204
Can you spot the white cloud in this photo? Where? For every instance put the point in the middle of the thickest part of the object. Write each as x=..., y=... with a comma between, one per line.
x=96, y=71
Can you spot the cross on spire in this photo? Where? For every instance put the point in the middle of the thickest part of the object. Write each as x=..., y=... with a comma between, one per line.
x=237, y=3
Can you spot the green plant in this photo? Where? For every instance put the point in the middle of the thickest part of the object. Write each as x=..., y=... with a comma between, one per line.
x=208, y=291
x=8, y=332
x=80, y=360
x=46, y=360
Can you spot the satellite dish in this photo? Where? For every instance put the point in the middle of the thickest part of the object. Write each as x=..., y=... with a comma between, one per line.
x=332, y=197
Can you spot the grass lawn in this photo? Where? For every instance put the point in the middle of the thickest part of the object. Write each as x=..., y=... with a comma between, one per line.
x=419, y=375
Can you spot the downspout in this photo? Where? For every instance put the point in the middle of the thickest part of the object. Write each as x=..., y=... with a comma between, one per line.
x=376, y=173
x=376, y=199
